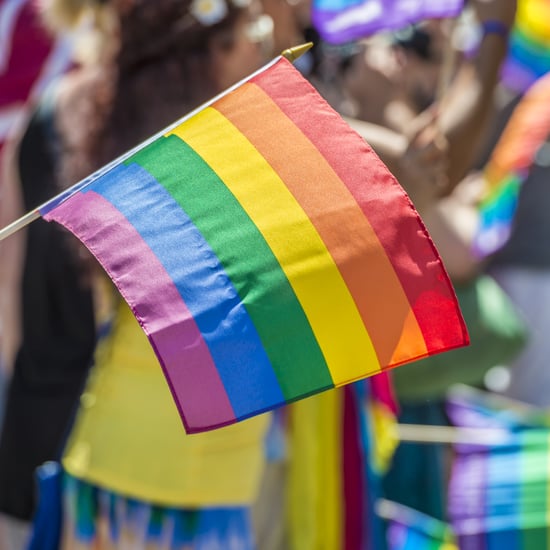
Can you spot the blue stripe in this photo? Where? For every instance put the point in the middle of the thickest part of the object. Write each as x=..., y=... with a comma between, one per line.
x=227, y=329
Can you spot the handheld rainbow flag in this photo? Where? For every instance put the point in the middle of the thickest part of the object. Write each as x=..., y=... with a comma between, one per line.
x=341, y=21
x=529, y=45
x=498, y=493
x=266, y=251
x=508, y=167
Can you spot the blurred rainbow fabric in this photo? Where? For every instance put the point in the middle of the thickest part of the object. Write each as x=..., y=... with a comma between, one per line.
x=499, y=487
x=509, y=166
x=339, y=21
x=529, y=48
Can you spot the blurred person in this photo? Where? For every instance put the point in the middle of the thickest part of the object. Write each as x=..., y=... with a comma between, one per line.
x=391, y=78
x=466, y=107
x=395, y=85
x=382, y=85
x=132, y=476
x=521, y=265
x=31, y=56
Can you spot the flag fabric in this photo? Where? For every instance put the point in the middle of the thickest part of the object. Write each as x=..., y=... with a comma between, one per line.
x=339, y=21
x=529, y=45
x=499, y=492
x=508, y=167
x=409, y=529
x=266, y=251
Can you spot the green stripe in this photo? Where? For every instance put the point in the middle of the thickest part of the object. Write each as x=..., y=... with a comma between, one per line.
x=248, y=261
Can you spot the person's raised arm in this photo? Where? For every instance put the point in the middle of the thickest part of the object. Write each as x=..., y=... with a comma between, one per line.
x=466, y=108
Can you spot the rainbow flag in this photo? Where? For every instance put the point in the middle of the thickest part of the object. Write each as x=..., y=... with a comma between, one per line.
x=529, y=45
x=341, y=21
x=508, y=167
x=499, y=492
x=266, y=251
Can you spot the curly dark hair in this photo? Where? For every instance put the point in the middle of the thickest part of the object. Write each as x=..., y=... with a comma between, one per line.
x=157, y=69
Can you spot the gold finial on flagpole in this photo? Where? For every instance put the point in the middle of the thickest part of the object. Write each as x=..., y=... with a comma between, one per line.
x=294, y=53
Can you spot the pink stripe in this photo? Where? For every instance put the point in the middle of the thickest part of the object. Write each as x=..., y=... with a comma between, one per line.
x=161, y=311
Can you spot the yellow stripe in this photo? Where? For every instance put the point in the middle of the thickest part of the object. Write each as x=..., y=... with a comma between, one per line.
x=300, y=251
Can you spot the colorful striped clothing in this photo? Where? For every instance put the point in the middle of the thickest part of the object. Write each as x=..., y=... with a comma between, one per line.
x=97, y=519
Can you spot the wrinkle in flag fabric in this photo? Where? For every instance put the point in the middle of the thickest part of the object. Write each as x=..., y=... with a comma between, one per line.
x=267, y=253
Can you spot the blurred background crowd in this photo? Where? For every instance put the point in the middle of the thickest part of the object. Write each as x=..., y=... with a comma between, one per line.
x=92, y=451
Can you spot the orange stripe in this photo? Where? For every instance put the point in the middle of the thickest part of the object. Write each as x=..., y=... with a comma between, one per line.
x=370, y=277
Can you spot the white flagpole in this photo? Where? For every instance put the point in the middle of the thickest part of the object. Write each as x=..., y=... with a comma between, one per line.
x=291, y=54
x=417, y=433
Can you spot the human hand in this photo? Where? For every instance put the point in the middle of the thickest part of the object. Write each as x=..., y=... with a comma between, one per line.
x=423, y=166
